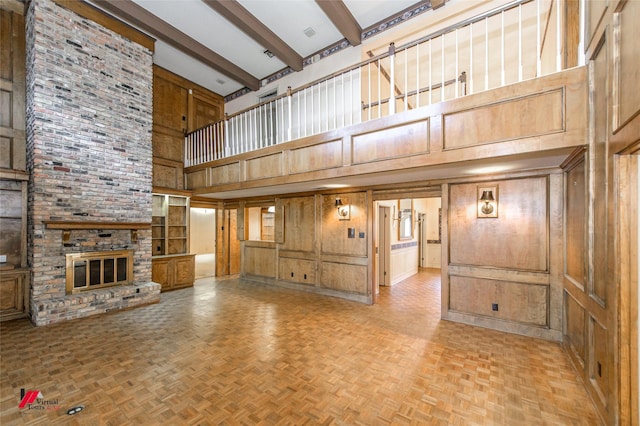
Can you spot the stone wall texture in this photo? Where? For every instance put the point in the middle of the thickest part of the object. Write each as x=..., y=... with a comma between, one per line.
x=89, y=119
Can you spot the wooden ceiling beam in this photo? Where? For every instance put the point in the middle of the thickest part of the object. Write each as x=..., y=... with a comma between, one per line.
x=342, y=18
x=161, y=30
x=251, y=26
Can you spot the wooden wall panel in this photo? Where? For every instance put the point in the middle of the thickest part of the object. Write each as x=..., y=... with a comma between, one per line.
x=264, y=167
x=594, y=14
x=344, y=277
x=575, y=224
x=229, y=173
x=335, y=232
x=260, y=261
x=12, y=90
x=167, y=175
x=5, y=151
x=539, y=114
x=627, y=78
x=204, y=111
x=600, y=172
x=575, y=327
x=168, y=145
x=316, y=157
x=299, y=224
x=599, y=360
x=394, y=142
x=525, y=303
x=196, y=178
x=169, y=103
x=179, y=106
x=498, y=242
x=297, y=270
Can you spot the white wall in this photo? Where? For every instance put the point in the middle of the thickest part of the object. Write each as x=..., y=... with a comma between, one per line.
x=202, y=231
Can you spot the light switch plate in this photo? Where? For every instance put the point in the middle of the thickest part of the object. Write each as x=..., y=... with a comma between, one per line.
x=3, y=258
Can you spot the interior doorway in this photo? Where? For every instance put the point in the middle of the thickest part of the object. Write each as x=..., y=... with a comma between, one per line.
x=202, y=237
x=406, y=238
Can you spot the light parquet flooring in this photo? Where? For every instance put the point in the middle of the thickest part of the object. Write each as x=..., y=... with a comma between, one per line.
x=237, y=353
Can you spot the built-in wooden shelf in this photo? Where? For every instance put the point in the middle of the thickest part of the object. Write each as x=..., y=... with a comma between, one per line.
x=67, y=226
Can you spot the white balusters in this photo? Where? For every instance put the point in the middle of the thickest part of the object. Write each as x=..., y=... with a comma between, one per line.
x=342, y=98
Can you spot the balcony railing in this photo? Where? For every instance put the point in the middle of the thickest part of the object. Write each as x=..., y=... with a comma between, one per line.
x=518, y=41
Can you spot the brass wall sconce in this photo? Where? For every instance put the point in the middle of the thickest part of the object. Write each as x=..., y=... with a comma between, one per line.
x=488, y=201
x=344, y=210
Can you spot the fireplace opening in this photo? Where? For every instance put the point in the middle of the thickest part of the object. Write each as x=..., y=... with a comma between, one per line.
x=93, y=270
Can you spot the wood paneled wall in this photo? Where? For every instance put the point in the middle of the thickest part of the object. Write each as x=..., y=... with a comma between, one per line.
x=313, y=249
x=507, y=260
x=12, y=96
x=600, y=329
x=179, y=106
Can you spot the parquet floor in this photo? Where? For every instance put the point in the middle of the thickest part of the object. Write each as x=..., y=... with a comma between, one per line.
x=236, y=353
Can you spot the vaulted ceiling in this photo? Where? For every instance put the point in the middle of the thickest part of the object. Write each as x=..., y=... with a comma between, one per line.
x=227, y=45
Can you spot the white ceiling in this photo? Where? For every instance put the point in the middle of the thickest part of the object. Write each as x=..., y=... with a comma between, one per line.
x=288, y=19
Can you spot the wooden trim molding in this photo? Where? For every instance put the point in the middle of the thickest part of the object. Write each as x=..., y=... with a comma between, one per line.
x=68, y=226
x=71, y=225
x=96, y=15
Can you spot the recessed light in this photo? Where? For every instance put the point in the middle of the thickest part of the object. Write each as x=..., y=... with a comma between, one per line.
x=335, y=185
x=309, y=32
x=488, y=169
x=220, y=81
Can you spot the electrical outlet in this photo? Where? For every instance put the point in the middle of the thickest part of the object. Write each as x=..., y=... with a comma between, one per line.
x=494, y=306
x=3, y=258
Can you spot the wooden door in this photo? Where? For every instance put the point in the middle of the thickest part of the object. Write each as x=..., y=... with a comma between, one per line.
x=227, y=243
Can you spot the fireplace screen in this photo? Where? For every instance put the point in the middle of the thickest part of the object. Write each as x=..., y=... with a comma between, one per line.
x=89, y=271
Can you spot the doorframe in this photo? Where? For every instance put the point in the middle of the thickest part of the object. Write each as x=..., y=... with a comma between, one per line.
x=383, y=248
x=628, y=218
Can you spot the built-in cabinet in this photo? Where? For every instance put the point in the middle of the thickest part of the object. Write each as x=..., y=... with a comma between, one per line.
x=172, y=265
x=170, y=225
x=14, y=274
x=174, y=272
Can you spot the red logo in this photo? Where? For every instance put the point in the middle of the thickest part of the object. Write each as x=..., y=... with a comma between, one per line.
x=29, y=397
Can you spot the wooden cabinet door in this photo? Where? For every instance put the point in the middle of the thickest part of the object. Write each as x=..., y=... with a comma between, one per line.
x=184, y=271
x=160, y=273
x=14, y=295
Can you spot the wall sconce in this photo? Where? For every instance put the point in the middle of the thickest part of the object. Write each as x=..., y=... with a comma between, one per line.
x=344, y=211
x=487, y=201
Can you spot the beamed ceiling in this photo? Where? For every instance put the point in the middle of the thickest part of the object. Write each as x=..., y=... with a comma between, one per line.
x=221, y=44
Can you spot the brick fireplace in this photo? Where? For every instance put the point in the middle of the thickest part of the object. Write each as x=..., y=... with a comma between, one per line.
x=89, y=118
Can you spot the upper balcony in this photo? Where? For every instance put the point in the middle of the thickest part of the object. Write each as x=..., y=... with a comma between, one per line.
x=497, y=87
